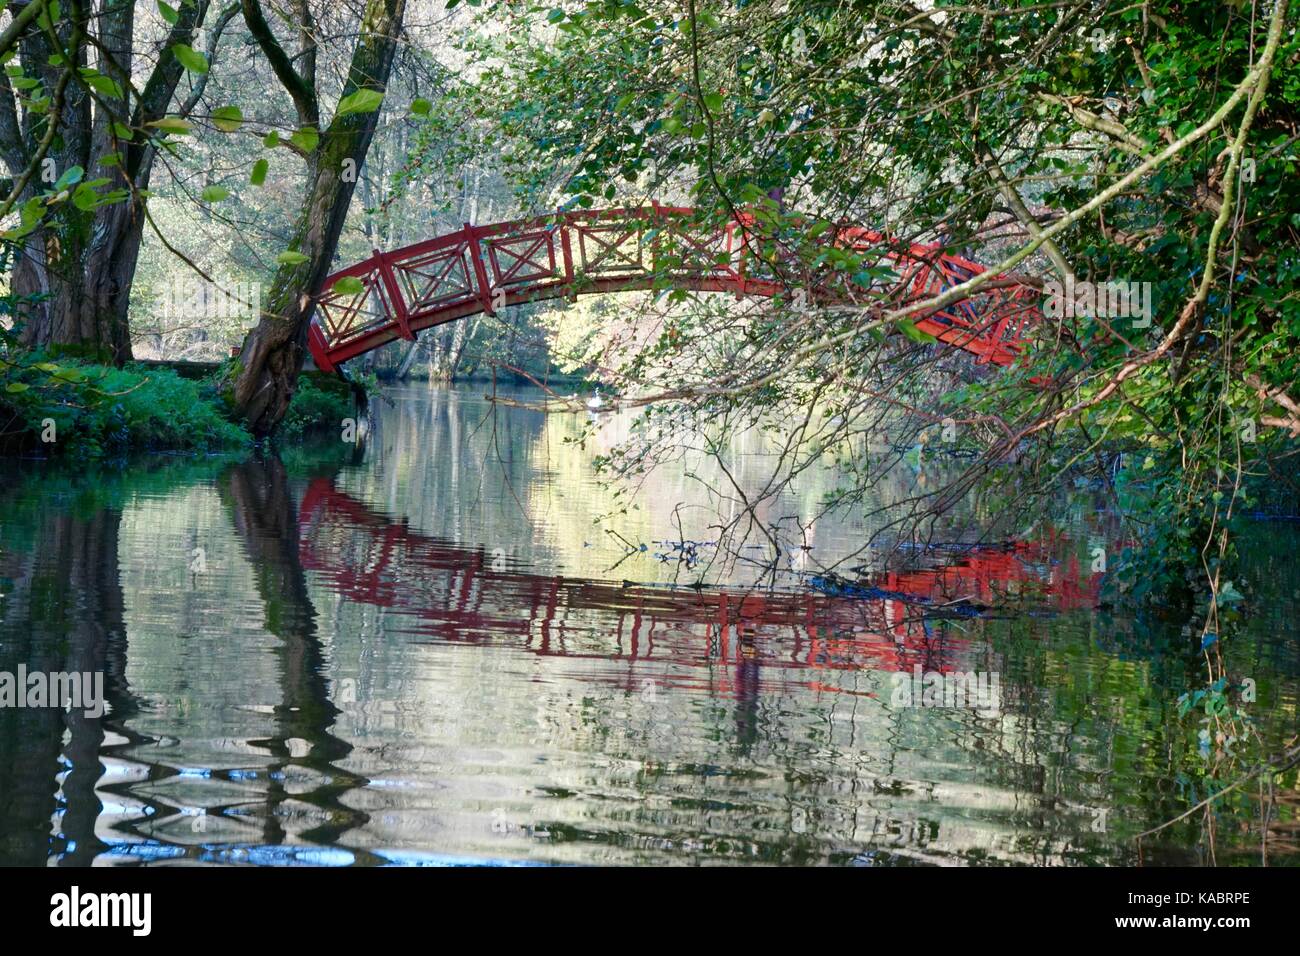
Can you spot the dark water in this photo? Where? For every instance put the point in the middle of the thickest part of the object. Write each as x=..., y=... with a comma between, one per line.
x=454, y=650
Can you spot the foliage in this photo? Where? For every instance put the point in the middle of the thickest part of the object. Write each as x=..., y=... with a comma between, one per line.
x=968, y=127
x=84, y=411
x=316, y=408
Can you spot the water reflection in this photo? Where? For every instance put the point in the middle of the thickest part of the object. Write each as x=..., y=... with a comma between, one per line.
x=63, y=612
x=775, y=640
x=414, y=659
x=261, y=507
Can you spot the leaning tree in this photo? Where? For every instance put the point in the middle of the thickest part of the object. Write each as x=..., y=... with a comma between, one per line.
x=260, y=383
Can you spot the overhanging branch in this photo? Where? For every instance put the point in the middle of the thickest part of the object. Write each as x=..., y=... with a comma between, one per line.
x=302, y=93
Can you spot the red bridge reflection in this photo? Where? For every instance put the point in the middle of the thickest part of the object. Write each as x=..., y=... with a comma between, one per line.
x=709, y=639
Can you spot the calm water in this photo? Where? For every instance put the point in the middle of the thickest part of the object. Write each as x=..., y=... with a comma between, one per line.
x=454, y=649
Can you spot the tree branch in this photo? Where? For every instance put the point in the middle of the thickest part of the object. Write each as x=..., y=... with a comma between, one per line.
x=302, y=93
x=19, y=23
x=11, y=134
x=214, y=38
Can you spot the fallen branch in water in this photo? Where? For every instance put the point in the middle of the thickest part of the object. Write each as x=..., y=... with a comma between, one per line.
x=561, y=403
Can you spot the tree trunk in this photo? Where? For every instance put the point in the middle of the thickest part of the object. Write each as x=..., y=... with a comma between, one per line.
x=82, y=262
x=404, y=369
x=262, y=380
x=465, y=330
x=440, y=354
x=89, y=289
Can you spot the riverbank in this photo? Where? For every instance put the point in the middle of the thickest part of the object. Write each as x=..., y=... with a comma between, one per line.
x=69, y=408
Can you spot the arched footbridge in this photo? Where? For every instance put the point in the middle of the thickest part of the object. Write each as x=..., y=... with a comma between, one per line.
x=485, y=268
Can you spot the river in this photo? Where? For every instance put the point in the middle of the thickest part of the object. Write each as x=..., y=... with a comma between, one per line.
x=462, y=646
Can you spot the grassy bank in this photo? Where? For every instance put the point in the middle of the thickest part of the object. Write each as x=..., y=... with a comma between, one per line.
x=71, y=408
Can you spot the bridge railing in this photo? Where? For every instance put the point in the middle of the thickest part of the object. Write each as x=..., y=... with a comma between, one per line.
x=486, y=268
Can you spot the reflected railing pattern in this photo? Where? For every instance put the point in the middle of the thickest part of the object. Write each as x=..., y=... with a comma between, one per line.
x=460, y=594
x=341, y=689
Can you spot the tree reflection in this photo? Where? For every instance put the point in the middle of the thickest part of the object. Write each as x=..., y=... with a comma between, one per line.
x=257, y=495
x=63, y=614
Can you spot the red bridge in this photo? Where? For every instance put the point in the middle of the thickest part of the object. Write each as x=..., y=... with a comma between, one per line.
x=462, y=595
x=394, y=295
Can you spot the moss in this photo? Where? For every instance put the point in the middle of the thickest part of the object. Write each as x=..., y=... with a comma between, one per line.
x=98, y=411
x=94, y=354
x=327, y=382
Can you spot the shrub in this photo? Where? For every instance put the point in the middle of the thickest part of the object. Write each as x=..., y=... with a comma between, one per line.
x=93, y=411
x=319, y=405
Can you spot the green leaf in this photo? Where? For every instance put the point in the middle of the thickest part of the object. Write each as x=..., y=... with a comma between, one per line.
x=305, y=139
x=362, y=101
x=214, y=193
x=348, y=285
x=713, y=102
x=32, y=211
x=85, y=198
x=70, y=176
x=171, y=124
x=1229, y=594
x=910, y=330
x=122, y=131
x=50, y=16
x=13, y=388
x=421, y=107
x=101, y=84
x=291, y=258
x=258, y=176
x=271, y=139
x=190, y=58
x=168, y=12
x=227, y=118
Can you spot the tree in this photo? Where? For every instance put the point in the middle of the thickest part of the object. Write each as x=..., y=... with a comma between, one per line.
x=1148, y=146
x=1099, y=141
x=81, y=142
x=260, y=383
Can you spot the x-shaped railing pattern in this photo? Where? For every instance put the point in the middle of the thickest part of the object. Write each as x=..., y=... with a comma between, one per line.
x=485, y=268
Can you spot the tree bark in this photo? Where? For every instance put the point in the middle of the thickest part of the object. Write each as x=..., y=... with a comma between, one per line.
x=89, y=288
x=261, y=381
x=412, y=353
x=82, y=262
